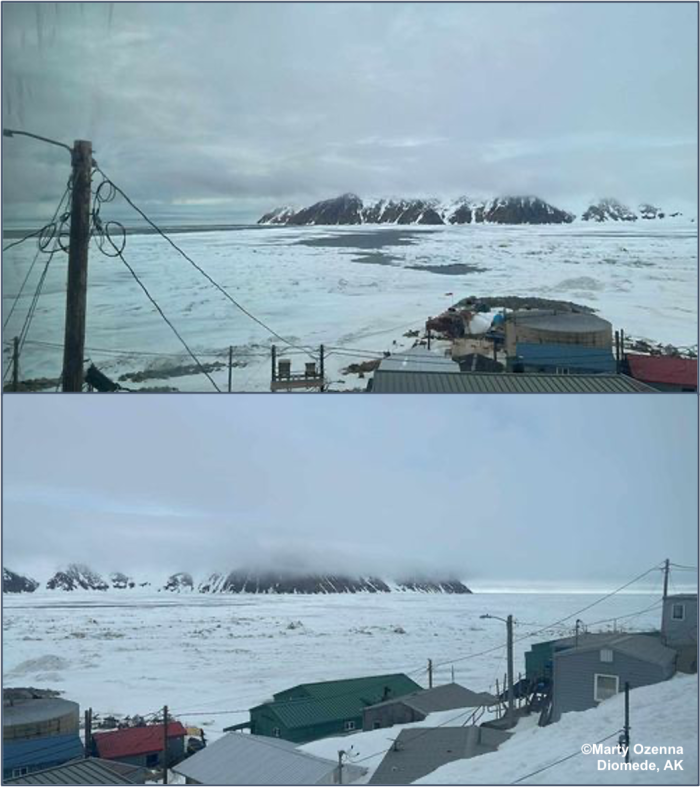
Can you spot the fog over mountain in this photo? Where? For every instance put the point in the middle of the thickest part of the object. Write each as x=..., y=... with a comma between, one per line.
x=236, y=108
x=592, y=490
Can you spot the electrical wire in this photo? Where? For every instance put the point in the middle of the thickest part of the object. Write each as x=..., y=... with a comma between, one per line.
x=219, y=287
x=172, y=327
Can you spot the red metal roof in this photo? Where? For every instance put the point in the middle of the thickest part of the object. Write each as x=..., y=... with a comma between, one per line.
x=135, y=741
x=664, y=369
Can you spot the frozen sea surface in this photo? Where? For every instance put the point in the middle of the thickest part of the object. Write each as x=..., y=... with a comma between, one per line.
x=210, y=658
x=356, y=287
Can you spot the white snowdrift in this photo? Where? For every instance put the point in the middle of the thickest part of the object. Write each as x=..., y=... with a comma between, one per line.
x=662, y=715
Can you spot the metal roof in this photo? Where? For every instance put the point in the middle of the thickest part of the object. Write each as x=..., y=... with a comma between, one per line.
x=664, y=369
x=417, y=359
x=501, y=383
x=245, y=759
x=642, y=647
x=598, y=359
x=41, y=750
x=419, y=751
x=443, y=698
x=26, y=712
x=552, y=320
x=139, y=740
x=328, y=701
x=86, y=771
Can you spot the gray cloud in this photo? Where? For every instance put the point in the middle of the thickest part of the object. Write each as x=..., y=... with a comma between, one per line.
x=587, y=490
x=253, y=104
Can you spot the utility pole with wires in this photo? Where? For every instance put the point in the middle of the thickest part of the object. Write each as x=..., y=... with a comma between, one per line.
x=88, y=733
x=165, y=745
x=430, y=673
x=76, y=296
x=667, y=569
x=510, y=714
x=230, y=366
x=15, y=364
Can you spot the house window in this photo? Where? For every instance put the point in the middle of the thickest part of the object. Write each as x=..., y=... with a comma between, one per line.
x=20, y=772
x=606, y=655
x=276, y=732
x=563, y=371
x=349, y=725
x=678, y=612
x=152, y=760
x=377, y=725
x=605, y=686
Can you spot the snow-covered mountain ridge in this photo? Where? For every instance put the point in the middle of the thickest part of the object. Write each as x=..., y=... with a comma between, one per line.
x=349, y=209
x=78, y=577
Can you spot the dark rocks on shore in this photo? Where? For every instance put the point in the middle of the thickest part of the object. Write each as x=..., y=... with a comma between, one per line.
x=77, y=577
x=13, y=583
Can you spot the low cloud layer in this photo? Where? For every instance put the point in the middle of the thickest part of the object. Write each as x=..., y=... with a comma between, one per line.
x=239, y=107
x=582, y=490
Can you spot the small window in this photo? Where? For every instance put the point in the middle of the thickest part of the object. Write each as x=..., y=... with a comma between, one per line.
x=377, y=725
x=606, y=655
x=678, y=612
x=605, y=686
x=563, y=371
x=276, y=732
x=349, y=725
x=152, y=760
x=20, y=772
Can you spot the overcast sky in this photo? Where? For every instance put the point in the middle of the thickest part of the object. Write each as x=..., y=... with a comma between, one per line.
x=576, y=490
x=240, y=107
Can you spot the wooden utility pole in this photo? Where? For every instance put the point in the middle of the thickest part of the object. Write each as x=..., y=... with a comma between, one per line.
x=430, y=673
x=626, y=729
x=274, y=363
x=88, y=733
x=511, y=710
x=165, y=745
x=666, y=573
x=76, y=298
x=321, y=367
x=15, y=364
x=429, y=337
x=341, y=753
x=230, y=366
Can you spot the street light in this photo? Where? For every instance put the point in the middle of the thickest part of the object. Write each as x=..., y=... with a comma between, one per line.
x=509, y=630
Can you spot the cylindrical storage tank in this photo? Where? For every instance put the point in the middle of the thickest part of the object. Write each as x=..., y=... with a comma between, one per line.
x=557, y=328
x=38, y=717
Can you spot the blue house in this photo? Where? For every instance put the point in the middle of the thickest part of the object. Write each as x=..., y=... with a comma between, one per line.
x=23, y=756
x=565, y=359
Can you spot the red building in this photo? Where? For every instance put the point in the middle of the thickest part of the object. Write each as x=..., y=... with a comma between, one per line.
x=142, y=745
x=665, y=373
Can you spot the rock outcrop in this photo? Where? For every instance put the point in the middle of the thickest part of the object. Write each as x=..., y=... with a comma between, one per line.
x=609, y=210
x=180, y=581
x=13, y=583
x=77, y=577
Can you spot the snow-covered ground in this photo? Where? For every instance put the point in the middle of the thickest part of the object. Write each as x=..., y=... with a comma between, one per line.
x=362, y=292
x=211, y=657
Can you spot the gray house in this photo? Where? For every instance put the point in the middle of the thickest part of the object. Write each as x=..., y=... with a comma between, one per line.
x=594, y=672
x=679, y=629
x=247, y=759
x=419, y=751
x=416, y=706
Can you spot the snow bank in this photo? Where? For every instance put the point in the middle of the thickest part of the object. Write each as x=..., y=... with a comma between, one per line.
x=662, y=715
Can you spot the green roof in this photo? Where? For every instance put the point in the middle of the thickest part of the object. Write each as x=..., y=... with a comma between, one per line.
x=394, y=382
x=343, y=699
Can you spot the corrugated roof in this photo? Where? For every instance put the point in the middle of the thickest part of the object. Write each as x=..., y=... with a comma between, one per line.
x=419, y=751
x=664, y=369
x=418, y=359
x=443, y=698
x=245, y=759
x=497, y=383
x=43, y=750
x=598, y=359
x=86, y=771
x=342, y=699
x=643, y=647
x=135, y=741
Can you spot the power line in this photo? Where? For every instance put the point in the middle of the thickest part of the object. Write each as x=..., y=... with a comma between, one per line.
x=561, y=760
x=200, y=269
x=172, y=327
x=22, y=240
